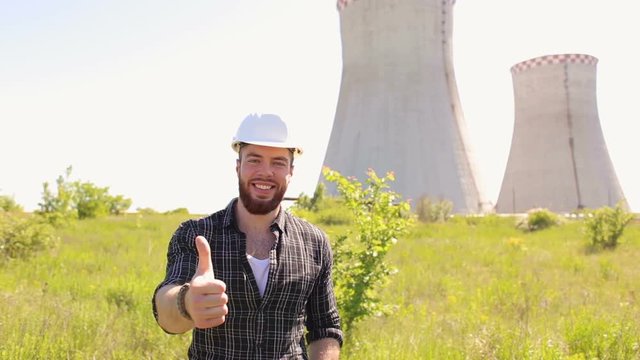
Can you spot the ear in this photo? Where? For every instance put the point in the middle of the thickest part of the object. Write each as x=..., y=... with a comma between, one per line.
x=238, y=167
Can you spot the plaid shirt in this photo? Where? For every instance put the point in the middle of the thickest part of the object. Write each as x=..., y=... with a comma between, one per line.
x=299, y=290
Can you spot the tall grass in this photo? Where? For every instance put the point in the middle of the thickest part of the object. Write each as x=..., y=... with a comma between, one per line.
x=472, y=288
x=90, y=297
x=481, y=289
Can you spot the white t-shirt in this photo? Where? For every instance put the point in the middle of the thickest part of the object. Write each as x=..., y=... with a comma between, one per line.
x=260, y=269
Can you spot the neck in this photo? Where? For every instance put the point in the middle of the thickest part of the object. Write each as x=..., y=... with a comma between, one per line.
x=252, y=223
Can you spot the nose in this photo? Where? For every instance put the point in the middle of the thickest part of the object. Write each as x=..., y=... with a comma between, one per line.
x=265, y=169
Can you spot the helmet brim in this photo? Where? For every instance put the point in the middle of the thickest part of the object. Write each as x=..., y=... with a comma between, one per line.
x=297, y=151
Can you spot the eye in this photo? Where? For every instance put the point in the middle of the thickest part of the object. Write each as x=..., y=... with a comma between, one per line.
x=280, y=163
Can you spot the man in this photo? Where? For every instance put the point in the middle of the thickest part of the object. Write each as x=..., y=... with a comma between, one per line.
x=249, y=278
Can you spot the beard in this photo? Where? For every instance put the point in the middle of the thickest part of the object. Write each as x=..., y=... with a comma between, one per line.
x=257, y=206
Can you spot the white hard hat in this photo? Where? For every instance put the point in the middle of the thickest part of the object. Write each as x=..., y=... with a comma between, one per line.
x=265, y=130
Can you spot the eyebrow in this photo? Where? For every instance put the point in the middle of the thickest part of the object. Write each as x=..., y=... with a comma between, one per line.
x=252, y=154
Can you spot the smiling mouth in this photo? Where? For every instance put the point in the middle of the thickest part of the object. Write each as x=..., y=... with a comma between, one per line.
x=263, y=186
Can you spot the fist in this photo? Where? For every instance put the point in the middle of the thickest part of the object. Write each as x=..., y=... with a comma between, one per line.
x=206, y=300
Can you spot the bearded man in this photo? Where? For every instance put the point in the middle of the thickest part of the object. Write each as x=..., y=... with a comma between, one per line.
x=252, y=278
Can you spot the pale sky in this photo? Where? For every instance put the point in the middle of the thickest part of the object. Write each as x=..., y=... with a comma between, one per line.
x=145, y=96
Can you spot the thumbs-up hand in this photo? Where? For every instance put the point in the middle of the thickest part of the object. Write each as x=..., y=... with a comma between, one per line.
x=206, y=300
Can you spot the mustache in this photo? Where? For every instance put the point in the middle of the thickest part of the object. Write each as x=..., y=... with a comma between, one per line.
x=261, y=178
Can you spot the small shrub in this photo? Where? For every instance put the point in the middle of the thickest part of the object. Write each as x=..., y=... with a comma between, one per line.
x=8, y=203
x=118, y=205
x=322, y=209
x=91, y=201
x=21, y=236
x=56, y=206
x=430, y=211
x=314, y=203
x=78, y=200
x=178, y=211
x=360, y=268
x=605, y=226
x=146, y=211
x=538, y=219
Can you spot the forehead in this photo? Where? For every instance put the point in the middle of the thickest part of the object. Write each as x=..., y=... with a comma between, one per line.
x=264, y=151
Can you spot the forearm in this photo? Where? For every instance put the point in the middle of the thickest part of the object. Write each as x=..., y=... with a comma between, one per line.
x=169, y=317
x=324, y=349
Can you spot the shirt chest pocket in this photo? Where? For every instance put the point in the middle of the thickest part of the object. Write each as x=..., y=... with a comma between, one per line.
x=295, y=285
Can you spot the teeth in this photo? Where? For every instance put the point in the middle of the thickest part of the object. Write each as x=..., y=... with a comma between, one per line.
x=263, y=187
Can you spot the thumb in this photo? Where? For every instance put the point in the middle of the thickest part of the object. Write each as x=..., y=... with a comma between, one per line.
x=204, y=257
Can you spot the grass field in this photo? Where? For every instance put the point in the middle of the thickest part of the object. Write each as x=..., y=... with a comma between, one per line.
x=472, y=288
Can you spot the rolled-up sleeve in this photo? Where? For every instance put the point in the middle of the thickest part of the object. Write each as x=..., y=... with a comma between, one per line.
x=182, y=259
x=323, y=320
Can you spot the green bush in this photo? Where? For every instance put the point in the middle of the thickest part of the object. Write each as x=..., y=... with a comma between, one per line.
x=118, y=205
x=22, y=235
x=322, y=209
x=538, y=219
x=604, y=226
x=82, y=200
x=56, y=207
x=433, y=211
x=360, y=269
x=8, y=203
x=146, y=211
x=180, y=211
x=314, y=203
x=91, y=201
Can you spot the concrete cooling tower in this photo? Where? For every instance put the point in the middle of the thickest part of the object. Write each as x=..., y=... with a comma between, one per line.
x=558, y=159
x=398, y=108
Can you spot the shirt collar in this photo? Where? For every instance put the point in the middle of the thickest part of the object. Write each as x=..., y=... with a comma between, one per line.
x=230, y=215
x=279, y=221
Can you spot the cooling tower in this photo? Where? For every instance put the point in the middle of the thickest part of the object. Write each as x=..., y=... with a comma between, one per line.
x=398, y=108
x=558, y=158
